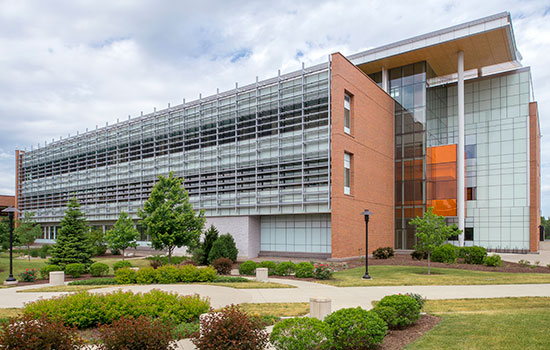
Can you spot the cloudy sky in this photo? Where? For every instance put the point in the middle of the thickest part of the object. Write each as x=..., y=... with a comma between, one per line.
x=71, y=65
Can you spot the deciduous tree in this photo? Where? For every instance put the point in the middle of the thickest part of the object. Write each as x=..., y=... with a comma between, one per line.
x=27, y=231
x=123, y=235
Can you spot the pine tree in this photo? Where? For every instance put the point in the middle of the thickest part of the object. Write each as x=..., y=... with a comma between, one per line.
x=72, y=244
x=123, y=235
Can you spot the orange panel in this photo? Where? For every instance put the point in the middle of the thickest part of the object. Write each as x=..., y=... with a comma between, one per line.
x=441, y=184
x=441, y=154
x=445, y=207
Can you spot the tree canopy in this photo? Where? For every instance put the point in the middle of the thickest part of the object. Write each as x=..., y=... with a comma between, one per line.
x=28, y=230
x=123, y=235
x=169, y=217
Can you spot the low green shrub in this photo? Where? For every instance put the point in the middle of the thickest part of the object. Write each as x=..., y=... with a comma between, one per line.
x=188, y=273
x=383, y=253
x=322, y=271
x=75, y=270
x=125, y=275
x=419, y=255
x=30, y=333
x=354, y=328
x=98, y=269
x=271, y=265
x=44, y=251
x=185, y=330
x=168, y=274
x=29, y=275
x=304, y=270
x=223, y=265
x=223, y=247
x=407, y=310
x=206, y=274
x=302, y=333
x=421, y=301
x=473, y=255
x=525, y=263
x=94, y=282
x=247, y=268
x=493, y=260
x=161, y=260
x=446, y=253
x=139, y=333
x=45, y=271
x=285, y=268
x=231, y=328
x=121, y=264
x=146, y=275
x=34, y=253
x=84, y=310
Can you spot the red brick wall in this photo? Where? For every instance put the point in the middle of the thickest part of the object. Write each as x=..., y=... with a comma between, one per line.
x=371, y=144
x=534, y=177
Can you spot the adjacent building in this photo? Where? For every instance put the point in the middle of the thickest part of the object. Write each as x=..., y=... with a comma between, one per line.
x=286, y=165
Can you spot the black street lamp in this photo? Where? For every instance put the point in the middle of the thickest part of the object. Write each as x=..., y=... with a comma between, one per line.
x=367, y=214
x=11, y=211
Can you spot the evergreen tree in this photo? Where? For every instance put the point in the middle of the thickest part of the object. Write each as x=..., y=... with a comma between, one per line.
x=123, y=235
x=169, y=217
x=72, y=244
x=28, y=231
x=200, y=255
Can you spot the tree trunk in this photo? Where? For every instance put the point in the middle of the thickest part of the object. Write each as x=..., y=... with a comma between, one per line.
x=170, y=256
x=29, y=252
x=123, y=254
x=429, y=262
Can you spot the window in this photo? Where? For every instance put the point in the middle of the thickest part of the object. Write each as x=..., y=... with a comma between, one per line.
x=468, y=233
x=471, y=151
x=347, y=114
x=471, y=193
x=347, y=173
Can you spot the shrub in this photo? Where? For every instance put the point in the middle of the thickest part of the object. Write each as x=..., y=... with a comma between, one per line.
x=446, y=253
x=94, y=282
x=407, y=310
x=84, y=310
x=206, y=274
x=285, y=268
x=99, y=269
x=121, y=264
x=223, y=266
x=247, y=268
x=421, y=301
x=525, y=263
x=231, y=328
x=322, y=271
x=299, y=334
x=125, y=275
x=185, y=330
x=223, y=247
x=141, y=333
x=45, y=271
x=200, y=255
x=34, y=253
x=354, y=328
x=28, y=333
x=270, y=266
x=44, y=251
x=473, y=255
x=493, y=260
x=383, y=253
x=75, y=270
x=146, y=275
x=188, y=273
x=29, y=275
x=419, y=255
x=160, y=260
x=304, y=270
x=168, y=274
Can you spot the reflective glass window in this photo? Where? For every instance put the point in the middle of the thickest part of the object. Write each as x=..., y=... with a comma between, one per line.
x=347, y=113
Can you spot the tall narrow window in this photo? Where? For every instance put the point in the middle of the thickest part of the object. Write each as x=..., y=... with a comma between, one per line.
x=347, y=114
x=347, y=173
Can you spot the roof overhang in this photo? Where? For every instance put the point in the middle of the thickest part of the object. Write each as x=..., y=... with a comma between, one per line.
x=487, y=41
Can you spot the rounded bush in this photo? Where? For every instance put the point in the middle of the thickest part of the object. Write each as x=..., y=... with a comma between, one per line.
x=322, y=271
x=206, y=274
x=383, y=253
x=167, y=274
x=285, y=268
x=388, y=314
x=446, y=253
x=493, y=260
x=223, y=247
x=146, y=275
x=188, y=273
x=75, y=270
x=247, y=268
x=473, y=255
x=99, y=269
x=354, y=328
x=303, y=333
x=270, y=265
x=45, y=271
x=121, y=264
x=419, y=255
x=139, y=333
x=125, y=275
x=407, y=310
x=304, y=270
x=223, y=265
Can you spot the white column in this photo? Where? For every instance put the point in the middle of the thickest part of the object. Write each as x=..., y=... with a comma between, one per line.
x=385, y=80
x=460, y=149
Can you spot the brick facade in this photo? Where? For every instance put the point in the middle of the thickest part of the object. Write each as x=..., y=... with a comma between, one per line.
x=534, y=177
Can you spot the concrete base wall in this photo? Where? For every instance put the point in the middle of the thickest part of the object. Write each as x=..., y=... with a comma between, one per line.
x=244, y=229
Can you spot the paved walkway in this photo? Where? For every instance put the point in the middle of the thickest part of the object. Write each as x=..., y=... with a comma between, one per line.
x=543, y=255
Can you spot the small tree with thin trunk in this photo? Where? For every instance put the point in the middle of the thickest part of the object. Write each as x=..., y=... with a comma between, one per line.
x=123, y=235
x=432, y=231
x=169, y=216
x=28, y=231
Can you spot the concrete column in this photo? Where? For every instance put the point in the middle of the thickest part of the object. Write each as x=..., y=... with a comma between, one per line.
x=385, y=80
x=319, y=307
x=261, y=274
x=57, y=278
x=460, y=150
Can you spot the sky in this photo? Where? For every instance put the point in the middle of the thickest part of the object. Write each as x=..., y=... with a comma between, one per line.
x=70, y=65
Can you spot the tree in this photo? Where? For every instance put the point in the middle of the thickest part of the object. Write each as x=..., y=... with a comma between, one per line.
x=96, y=238
x=546, y=224
x=72, y=244
x=169, y=217
x=432, y=231
x=200, y=255
x=4, y=233
x=28, y=231
x=123, y=235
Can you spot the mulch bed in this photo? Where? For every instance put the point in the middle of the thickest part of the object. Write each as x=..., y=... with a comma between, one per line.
x=398, y=339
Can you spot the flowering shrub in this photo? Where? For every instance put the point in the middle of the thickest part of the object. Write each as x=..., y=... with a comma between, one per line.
x=322, y=271
x=29, y=275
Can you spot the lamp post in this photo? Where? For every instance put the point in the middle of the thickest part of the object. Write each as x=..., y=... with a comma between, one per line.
x=366, y=214
x=11, y=211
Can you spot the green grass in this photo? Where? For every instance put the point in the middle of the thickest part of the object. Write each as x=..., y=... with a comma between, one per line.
x=276, y=309
x=250, y=285
x=479, y=324
x=385, y=275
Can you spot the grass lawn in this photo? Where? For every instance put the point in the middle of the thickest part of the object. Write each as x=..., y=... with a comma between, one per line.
x=385, y=275
x=276, y=309
x=497, y=324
